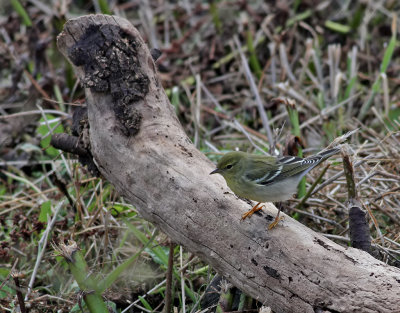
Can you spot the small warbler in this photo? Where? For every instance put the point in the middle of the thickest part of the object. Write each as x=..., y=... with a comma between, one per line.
x=266, y=178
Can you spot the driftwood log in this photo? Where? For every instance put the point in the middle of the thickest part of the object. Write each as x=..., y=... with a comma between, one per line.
x=139, y=145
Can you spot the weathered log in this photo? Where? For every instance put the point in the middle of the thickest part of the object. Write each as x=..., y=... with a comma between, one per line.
x=140, y=147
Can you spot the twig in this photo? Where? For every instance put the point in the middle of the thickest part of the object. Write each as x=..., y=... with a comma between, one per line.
x=248, y=129
x=349, y=174
x=336, y=237
x=240, y=127
x=393, y=217
x=16, y=275
x=182, y=281
x=168, y=285
x=353, y=75
x=328, y=110
x=9, y=274
x=44, y=297
x=254, y=89
x=375, y=224
x=285, y=63
x=317, y=217
x=286, y=88
x=34, y=112
x=381, y=173
x=64, y=190
x=387, y=193
x=42, y=247
x=67, y=167
x=195, y=106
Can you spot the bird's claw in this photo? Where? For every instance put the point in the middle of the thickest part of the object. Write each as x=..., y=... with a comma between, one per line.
x=249, y=213
x=275, y=222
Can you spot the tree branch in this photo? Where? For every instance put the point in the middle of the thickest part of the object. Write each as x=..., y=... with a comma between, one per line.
x=140, y=147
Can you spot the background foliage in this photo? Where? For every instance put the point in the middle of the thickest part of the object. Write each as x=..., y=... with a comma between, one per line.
x=222, y=64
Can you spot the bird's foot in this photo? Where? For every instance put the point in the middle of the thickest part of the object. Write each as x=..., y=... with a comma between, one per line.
x=256, y=208
x=275, y=222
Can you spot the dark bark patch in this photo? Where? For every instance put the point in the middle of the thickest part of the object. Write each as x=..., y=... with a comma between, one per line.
x=110, y=60
x=350, y=259
x=322, y=244
x=269, y=218
x=186, y=151
x=271, y=272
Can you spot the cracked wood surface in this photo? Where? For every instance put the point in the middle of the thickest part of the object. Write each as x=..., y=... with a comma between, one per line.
x=140, y=147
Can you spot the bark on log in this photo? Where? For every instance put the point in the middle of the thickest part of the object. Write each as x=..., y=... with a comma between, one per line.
x=140, y=147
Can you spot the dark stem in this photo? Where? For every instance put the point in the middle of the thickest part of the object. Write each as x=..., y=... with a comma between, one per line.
x=168, y=288
x=19, y=293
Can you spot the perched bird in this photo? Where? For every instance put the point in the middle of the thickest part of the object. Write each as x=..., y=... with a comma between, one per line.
x=266, y=178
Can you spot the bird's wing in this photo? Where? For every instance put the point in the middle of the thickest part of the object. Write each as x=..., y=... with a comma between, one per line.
x=267, y=170
x=262, y=170
x=295, y=166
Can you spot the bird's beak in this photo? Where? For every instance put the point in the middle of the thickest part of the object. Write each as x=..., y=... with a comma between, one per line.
x=216, y=171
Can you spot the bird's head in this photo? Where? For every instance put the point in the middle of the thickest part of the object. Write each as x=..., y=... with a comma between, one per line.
x=229, y=165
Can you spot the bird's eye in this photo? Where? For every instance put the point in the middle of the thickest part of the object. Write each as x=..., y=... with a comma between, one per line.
x=229, y=166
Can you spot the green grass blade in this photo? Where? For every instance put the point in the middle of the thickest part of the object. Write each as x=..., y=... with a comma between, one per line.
x=339, y=28
x=215, y=17
x=299, y=17
x=157, y=250
x=387, y=57
x=146, y=304
x=18, y=7
x=45, y=210
x=103, y=4
x=254, y=63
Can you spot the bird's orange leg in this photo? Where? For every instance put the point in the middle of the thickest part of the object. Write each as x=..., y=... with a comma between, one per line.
x=255, y=208
x=277, y=218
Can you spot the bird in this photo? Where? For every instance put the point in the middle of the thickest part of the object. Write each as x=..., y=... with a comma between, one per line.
x=265, y=178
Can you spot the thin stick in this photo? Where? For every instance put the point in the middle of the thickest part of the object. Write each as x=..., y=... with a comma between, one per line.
x=254, y=89
x=42, y=247
x=9, y=274
x=182, y=282
x=349, y=174
x=168, y=287
x=248, y=129
x=20, y=297
x=34, y=112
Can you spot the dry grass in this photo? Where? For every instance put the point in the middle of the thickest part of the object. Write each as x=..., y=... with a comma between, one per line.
x=222, y=64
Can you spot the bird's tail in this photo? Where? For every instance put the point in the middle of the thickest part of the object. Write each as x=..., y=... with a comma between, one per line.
x=328, y=153
x=323, y=155
x=310, y=162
